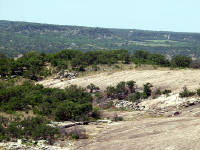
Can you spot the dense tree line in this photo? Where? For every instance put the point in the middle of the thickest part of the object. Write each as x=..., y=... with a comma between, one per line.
x=33, y=65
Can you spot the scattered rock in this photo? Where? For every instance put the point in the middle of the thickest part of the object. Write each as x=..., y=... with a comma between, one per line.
x=65, y=124
x=123, y=104
x=66, y=74
x=104, y=121
x=41, y=145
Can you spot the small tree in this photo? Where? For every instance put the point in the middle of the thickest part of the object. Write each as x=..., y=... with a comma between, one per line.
x=131, y=86
x=147, y=90
x=135, y=97
x=181, y=61
x=111, y=92
x=121, y=90
x=92, y=87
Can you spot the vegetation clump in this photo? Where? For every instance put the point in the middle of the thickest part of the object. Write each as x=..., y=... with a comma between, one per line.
x=166, y=92
x=198, y=92
x=127, y=90
x=186, y=93
x=181, y=61
x=35, y=128
x=71, y=103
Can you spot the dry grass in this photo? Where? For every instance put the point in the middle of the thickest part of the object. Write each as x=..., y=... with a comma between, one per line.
x=19, y=114
x=174, y=80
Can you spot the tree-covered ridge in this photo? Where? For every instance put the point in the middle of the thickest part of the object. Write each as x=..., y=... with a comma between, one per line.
x=20, y=37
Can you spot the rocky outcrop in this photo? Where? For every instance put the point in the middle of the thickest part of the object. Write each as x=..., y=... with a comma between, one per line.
x=160, y=106
x=65, y=124
x=66, y=74
x=127, y=105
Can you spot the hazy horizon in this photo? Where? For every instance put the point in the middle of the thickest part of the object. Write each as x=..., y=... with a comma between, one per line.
x=171, y=15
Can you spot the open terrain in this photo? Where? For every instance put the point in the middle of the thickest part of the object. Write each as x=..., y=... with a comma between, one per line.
x=179, y=133
x=163, y=78
x=141, y=130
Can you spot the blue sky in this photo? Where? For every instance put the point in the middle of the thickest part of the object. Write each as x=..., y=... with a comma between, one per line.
x=168, y=15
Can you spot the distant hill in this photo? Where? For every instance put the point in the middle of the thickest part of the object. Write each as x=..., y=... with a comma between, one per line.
x=20, y=37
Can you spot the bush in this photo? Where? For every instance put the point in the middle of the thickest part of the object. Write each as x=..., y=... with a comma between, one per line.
x=186, y=93
x=198, y=92
x=121, y=90
x=135, y=97
x=92, y=88
x=70, y=103
x=96, y=114
x=131, y=86
x=166, y=91
x=181, y=61
x=111, y=92
x=95, y=68
x=74, y=136
x=34, y=128
x=158, y=92
x=72, y=111
x=147, y=90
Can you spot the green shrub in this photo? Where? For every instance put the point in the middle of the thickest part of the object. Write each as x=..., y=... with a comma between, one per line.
x=72, y=111
x=70, y=103
x=135, y=97
x=147, y=90
x=34, y=128
x=131, y=86
x=111, y=92
x=74, y=136
x=96, y=114
x=158, y=92
x=186, y=93
x=166, y=91
x=92, y=88
x=95, y=68
x=181, y=61
x=198, y=92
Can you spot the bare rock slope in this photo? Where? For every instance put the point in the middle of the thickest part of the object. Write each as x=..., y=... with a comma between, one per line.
x=147, y=134
x=173, y=79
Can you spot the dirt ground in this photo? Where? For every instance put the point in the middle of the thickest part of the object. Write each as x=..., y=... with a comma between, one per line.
x=180, y=133
x=140, y=131
x=172, y=79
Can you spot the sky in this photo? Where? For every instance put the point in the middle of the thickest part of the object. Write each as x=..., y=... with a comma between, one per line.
x=159, y=15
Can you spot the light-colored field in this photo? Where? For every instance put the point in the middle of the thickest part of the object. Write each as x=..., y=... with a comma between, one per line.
x=147, y=134
x=164, y=78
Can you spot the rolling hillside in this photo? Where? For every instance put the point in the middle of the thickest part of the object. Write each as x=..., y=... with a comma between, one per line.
x=20, y=37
